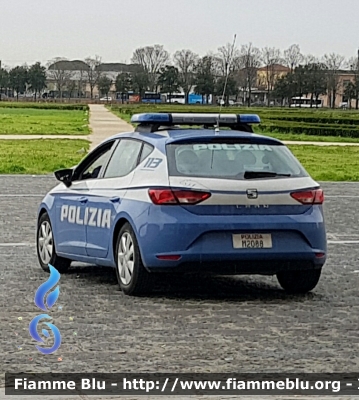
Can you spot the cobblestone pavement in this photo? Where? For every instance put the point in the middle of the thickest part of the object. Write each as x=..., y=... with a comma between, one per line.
x=218, y=324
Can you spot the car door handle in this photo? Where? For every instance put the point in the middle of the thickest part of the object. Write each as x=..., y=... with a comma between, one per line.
x=115, y=200
x=83, y=200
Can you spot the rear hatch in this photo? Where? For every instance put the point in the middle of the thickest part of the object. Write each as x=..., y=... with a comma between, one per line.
x=239, y=176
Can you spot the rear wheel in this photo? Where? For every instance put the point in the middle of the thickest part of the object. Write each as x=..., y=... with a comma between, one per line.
x=132, y=276
x=46, y=251
x=299, y=281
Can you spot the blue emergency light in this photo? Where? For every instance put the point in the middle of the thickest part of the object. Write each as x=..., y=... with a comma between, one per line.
x=194, y=119
x=151, y=118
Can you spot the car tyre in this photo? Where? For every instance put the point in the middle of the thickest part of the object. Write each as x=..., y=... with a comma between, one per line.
x=299, y=282
x=132, y=276
x=45, y=245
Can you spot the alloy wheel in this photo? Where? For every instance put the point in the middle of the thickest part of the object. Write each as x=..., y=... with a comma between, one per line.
x=45, y=242
x=126, y=258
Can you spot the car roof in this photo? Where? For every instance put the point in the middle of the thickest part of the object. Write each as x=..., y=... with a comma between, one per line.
x=167, y=136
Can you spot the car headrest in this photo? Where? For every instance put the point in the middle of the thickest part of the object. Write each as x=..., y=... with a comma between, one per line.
x=187, y=157
x=246, y=157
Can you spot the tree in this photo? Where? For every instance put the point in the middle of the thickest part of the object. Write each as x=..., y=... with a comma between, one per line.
x=225, y=87
x=70, y=87
x=140, y=82
x=58, y=71
x=271, y=57
x=293, y=57
x=81, y=80
x=309, y=59
x=226, y=62
x=123, y=83
x=104, y=85
x=350, y=92
x=168, y=80
x=353, y=65
x=283, y=88
x=226, y=59
x=316, y=80
x=93, y=73
x=250, y=58
x=4, y=80
x=185, y=61
x=333, y=63
x=18, y=79
x=300, y=81
x=205, y=76
x=37, y=78
x=152, y=59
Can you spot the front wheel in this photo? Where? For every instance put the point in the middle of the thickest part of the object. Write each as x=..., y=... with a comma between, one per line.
x=297, y=282
x=46, y=251
x=132, y=276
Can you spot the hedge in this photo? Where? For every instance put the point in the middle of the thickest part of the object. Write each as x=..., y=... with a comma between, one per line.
x=309, y=129
x=44, y=106
x=318, y=122
x=319, y=119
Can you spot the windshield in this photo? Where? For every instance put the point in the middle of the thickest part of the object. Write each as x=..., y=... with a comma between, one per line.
x=228, y=160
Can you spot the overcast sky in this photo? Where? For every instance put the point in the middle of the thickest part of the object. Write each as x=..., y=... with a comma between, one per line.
x=40, y=30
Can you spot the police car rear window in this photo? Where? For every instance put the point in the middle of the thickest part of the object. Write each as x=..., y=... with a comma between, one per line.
x=228, y=160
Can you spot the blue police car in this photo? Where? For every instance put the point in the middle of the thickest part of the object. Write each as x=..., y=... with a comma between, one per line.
x=185, y=193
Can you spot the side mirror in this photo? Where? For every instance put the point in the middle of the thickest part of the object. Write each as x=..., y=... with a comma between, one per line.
x=64, y=176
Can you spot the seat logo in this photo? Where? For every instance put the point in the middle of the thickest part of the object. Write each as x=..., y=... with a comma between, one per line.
x=252, y=194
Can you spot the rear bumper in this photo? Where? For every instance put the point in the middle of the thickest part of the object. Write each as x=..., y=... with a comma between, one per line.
x=240, y=267
x=205, y=242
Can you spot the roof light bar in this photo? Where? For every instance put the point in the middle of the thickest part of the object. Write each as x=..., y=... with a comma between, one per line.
x=194, y=119
x=151, y=118
x=249, y=119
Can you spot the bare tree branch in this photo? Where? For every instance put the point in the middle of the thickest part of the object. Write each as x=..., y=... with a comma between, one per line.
x=58, y=73
x=271, y=57
x=227, y=59
x=334, y=62
x=250, y=58
x=93, y=73
x=185, y=61
x=293, y=57
x=152, y=59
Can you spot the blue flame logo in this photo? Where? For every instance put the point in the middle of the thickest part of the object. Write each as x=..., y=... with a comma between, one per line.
x=45, y=287
x=37, y=337
x=50, y=301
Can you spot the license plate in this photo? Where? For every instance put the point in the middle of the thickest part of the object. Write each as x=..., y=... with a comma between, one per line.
x=252, y=241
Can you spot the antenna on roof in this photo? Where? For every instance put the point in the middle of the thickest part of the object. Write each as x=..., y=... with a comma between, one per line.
x=228, y=68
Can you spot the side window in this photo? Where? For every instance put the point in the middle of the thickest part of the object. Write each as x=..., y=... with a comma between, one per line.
x=146, y=151
x=124, y=158
x=92, y=168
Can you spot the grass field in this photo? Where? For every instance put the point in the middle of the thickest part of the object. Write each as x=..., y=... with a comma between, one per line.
x=329, y=163
x=272, y=120
x=45, y=156
x=32, y=121
x=40, y=156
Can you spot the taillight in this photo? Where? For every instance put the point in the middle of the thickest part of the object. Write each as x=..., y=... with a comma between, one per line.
x=309, y=196
x=168, y=196
x=159, y=196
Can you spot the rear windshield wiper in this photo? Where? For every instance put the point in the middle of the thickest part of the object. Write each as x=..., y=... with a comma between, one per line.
x=262, y=174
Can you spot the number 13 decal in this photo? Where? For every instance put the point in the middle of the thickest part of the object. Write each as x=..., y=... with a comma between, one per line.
x=153, y=163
